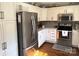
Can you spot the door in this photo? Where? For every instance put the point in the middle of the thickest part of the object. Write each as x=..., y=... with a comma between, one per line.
x=10, y=37
x=42, y=37
x=34, y=30
x=26, y=29
x=29, y=29
x=1, y=40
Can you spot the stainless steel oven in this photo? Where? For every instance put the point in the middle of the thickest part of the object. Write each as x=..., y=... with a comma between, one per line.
x=65, y=33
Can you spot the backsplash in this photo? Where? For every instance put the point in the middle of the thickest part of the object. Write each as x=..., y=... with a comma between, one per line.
x=54, y=24
x=48, y=24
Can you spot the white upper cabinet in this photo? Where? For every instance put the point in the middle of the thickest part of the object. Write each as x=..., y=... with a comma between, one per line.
x=43, y=14
x=76, y=13
x=9, y=10
x=52, y=13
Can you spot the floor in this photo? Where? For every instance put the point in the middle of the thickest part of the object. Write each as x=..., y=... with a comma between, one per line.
x=47, y=48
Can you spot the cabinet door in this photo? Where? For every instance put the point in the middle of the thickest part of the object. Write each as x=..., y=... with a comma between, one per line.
x=75, y=38
x=41, y=37
x=76, y=12
x=43, y=16
x=1, y=40
x=10, y=37
x=51, y=36
x=9, y=10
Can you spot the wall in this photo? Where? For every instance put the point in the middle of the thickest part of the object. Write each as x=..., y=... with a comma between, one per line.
x=53, y=12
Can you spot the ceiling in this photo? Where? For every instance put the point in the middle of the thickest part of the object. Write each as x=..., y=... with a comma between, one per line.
x=52, y=4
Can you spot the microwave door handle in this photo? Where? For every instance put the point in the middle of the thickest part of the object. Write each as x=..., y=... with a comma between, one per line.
x=33, y=26
x=19, y=18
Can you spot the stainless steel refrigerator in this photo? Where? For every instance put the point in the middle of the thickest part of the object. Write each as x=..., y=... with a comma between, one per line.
x=26, y=31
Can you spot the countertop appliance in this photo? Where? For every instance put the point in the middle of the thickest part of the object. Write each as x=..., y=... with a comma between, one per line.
x=26, y=31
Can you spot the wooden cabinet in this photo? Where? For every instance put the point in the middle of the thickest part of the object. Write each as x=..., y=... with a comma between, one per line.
x=75, y=38
x=10, y=37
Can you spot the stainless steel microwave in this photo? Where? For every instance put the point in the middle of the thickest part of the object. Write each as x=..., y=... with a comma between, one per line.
x=65, y=17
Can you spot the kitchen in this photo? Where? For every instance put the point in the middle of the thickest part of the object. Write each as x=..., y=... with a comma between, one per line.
x=49, y=19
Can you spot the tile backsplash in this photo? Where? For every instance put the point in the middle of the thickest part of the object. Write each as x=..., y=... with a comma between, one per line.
x=54, y=24
x=49, y=24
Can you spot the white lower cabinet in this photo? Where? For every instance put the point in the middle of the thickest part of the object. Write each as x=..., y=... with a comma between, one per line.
x=75, y=38
x=51, y=35
x=8, y=38
x=41, y=37
x=46, y=35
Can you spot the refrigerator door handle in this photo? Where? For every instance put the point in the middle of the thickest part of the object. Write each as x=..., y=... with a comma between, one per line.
x=33, y=27
x=19, y=18
x=33, y=23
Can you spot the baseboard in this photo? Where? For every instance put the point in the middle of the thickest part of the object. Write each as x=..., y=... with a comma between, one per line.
x=50, y=41
x=75, y=46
